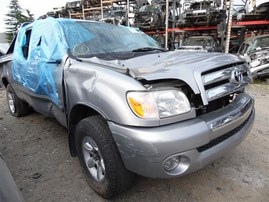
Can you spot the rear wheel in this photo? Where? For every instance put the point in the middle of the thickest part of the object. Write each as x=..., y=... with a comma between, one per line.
x=100, y=158
x=16, y=106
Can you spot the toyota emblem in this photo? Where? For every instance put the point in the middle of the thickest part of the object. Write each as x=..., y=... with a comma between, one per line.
x=236, y=76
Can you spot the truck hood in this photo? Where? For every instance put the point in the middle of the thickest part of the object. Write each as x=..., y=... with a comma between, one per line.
x=184, y=66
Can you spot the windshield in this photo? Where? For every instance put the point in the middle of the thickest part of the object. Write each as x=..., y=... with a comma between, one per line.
x=259, y=44
x=197, y=42
x=89, y=39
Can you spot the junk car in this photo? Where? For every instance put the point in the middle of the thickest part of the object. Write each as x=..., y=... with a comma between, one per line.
x=152, y=17
x=255, y=50
x=202, y=13
x=130, y=106
x=201, y=43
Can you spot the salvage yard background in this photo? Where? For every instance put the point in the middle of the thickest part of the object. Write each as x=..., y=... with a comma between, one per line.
x=36, y=151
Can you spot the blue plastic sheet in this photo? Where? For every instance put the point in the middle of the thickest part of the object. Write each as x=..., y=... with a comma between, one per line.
x=75, y=33
x=47, y=45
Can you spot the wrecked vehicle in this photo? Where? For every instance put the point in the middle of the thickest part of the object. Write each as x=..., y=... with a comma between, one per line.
x=130, y=107
x=201, y=43
x=202, y=13
x=152, y=17
x=255, y=50
x=256, y=10
x=149, y=17
x=119, y=17
x=73, y=6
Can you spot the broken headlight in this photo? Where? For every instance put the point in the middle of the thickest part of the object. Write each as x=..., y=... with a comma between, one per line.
x=158, y=104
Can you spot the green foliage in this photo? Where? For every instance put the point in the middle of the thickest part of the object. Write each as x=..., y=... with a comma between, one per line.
x=15, y=18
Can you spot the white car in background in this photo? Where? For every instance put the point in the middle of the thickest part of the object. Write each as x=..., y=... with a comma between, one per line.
x=255, y=50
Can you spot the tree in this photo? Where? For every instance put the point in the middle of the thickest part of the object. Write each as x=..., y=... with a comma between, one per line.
x=15, y=18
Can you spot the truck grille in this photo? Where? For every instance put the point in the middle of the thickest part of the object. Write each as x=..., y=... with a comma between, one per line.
x=225, y=80
x=220, y=86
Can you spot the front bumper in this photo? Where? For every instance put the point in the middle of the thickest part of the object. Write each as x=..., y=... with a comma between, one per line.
x=196, y=142
x=260, y=71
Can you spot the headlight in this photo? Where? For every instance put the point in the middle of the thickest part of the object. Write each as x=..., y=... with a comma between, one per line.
x=159, y=104
x=171, y=103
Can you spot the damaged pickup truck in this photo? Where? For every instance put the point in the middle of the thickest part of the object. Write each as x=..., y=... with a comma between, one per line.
x=130, y=107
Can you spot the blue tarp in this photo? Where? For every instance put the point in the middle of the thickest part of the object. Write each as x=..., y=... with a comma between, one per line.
x=48, y=43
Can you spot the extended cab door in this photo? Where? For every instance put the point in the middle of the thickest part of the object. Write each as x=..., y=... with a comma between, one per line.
x=37, y=67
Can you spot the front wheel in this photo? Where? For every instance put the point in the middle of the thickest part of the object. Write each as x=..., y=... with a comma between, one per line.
x=100, y=158
x=16, y=106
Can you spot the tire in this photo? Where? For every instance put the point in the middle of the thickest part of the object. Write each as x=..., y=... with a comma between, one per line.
x=16, y=106
x=95, y=144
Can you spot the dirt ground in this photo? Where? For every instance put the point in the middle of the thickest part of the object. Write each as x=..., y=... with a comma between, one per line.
x=36, y=151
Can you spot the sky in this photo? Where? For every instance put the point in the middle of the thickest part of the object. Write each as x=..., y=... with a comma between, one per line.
x=36, y=7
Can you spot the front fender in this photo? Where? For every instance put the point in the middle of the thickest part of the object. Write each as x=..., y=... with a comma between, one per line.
x=103, y=90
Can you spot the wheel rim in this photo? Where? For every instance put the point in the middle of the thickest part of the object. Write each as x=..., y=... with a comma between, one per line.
x=93, y=158
x=11, y=102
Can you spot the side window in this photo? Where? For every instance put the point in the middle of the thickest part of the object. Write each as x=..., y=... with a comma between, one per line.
x=25, y=47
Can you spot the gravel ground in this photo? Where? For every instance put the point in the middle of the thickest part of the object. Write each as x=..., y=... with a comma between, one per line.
x=36, y=151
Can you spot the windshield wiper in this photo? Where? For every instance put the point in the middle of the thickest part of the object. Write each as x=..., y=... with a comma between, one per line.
x=146, y=49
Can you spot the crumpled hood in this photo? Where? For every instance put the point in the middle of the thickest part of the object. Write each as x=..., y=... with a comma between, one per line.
x=169, y=62
x=184, y=66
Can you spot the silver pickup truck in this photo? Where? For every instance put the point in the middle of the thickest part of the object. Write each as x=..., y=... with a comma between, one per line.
x=130, y=107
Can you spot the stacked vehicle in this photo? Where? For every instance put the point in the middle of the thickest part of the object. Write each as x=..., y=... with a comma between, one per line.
x=152, y=16
x=201, y=13
x=256, y=10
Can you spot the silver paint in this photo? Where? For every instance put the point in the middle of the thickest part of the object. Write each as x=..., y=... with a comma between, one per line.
x=145, y=144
